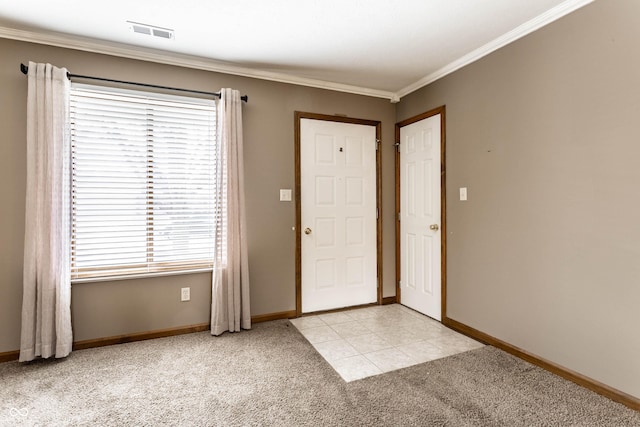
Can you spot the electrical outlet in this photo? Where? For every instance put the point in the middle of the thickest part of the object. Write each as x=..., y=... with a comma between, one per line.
x=185, y=294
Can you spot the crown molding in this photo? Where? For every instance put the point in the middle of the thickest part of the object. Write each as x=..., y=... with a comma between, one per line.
x=188, y=61
x=528, y=27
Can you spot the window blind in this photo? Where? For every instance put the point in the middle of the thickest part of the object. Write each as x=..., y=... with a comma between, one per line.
x=143, y=182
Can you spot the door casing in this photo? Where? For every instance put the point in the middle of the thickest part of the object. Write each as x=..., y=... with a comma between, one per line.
x=443, y=206
x=298, y=115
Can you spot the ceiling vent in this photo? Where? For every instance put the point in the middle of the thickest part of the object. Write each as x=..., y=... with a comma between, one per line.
x=150, y=30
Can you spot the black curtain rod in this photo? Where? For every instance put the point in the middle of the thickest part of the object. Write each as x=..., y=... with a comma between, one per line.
x=245, y=98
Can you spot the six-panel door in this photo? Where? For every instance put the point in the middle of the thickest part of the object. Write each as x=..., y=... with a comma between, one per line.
x=420, y=238
x=338, y=214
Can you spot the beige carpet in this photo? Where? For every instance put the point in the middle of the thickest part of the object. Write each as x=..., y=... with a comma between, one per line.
x=271, y=376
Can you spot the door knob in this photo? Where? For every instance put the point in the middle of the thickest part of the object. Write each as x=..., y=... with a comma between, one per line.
x=434, y=227
x=307, y=230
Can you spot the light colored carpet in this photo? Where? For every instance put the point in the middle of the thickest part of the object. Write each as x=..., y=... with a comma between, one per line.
x=271, y=376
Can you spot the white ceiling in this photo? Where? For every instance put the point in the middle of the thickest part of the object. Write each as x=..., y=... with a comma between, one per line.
x=384, y=48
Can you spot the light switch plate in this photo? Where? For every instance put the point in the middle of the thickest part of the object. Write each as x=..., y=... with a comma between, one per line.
x=463, y=193
x=285, y=195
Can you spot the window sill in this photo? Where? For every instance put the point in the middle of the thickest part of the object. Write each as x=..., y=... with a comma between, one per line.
x=139, y=276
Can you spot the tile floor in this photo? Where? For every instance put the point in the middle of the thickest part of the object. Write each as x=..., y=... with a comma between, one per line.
x=369, y=341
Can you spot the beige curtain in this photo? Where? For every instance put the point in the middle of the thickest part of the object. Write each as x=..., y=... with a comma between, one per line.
x=230, y=307
x=46, y=302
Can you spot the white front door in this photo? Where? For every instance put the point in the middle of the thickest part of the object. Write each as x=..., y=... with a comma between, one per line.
x=420, y=251
x=338, y=214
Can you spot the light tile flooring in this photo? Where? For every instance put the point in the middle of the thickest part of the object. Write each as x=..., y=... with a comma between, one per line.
x=369, y=341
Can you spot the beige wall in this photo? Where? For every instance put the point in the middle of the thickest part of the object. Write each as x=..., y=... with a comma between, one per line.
x=545, y=134
x=112, y=308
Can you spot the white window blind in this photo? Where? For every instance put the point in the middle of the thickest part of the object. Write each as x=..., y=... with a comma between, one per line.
x=143, y=182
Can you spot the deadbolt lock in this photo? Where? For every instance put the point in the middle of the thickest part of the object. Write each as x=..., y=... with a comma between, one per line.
x=307, y=230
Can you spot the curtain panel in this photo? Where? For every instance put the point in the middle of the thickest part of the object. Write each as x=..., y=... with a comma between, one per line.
x=46, y=305
x=230, y=305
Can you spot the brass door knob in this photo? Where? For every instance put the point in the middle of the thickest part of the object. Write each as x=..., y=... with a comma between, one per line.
x=307, y=230
x=434, y=227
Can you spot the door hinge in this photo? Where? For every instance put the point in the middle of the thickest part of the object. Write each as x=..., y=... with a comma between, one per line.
x=377, y=213
x=378, y=144
x=398, y=216
x=397, y=145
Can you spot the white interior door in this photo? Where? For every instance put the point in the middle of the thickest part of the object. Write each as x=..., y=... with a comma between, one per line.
x=420, y=251
x=338, y=214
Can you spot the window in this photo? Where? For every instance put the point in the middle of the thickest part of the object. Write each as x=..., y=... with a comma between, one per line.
x=144, y=168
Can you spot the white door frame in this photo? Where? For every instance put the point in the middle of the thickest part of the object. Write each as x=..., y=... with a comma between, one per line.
x=340, y=119
x=443, y=226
